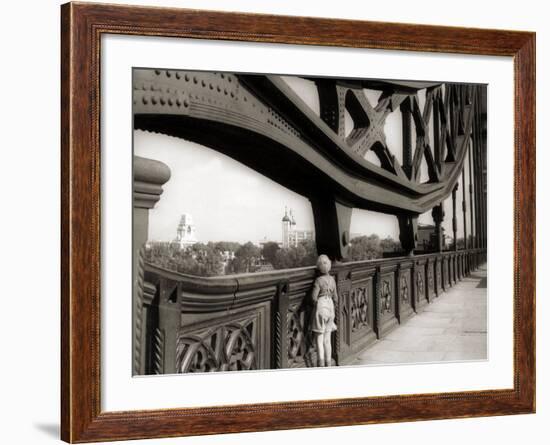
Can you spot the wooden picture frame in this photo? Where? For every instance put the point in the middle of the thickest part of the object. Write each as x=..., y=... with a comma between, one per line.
x=82, y=26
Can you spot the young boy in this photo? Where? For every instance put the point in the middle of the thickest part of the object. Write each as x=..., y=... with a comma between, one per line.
x=324, y=295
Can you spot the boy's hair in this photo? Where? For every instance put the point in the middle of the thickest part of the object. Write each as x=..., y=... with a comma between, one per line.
x=322, y=259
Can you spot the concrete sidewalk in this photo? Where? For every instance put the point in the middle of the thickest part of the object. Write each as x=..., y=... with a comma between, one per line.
x=452, y=328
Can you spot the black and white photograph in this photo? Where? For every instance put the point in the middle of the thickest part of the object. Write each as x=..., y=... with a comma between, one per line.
x=299, y=221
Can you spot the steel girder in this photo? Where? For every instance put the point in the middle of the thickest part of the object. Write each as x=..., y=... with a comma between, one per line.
x=260, y=121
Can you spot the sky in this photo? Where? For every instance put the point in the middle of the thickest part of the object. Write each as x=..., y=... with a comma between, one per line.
x=231, y=202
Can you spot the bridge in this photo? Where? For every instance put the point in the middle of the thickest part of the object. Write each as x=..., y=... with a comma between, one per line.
x=184, y=323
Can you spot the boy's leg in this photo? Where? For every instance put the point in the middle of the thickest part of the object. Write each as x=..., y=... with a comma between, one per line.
x=328, y=348
x=319, y=338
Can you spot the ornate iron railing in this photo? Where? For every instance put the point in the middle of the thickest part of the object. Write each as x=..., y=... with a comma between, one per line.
x=260, y=321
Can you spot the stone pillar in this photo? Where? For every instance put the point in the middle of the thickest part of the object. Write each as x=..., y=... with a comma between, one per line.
x=408, y=233
x=464, y=209
x=332, y=224
x=476, y=191
x=407, y=137
x=477, y=173
x=471, y=193
x=438, y=214
x=280, y=326
x=455, y=222
x=437, y=145
x=483, y=118
x=169, y=322
x=149, y=176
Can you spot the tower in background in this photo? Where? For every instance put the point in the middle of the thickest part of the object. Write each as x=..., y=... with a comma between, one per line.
x=286, y=222
x=185, y=235
x=292, y=236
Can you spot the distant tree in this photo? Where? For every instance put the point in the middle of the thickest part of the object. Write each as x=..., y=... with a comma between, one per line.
x=199, y=259
x=304, y=254
x=246, y=257
x=161, y=254
x=213, y=262
x=269, y=251
x=388, y=244
x=209, y=259
x=366, y=248
x=227, y=246
x=188, y=265
x=310, y=257
x=283, y=259
x=197, y=248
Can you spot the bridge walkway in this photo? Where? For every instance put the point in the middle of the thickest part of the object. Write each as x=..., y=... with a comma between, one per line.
x=452, y=328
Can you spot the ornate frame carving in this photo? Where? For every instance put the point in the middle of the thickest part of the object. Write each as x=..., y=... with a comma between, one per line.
x=82, y=28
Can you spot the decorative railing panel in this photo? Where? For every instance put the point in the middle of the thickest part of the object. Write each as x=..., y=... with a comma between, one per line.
x=231, y=342
x=432, y=278
x=421, y=290
x=439, y=276
x=356, y=310
x=405, y=291
x=386, y=307
x=296, y=334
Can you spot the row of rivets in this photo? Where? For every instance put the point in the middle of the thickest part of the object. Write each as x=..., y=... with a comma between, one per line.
x=163, y=101
x=196, y=81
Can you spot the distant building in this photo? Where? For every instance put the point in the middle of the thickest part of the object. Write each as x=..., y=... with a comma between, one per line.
x=186, y=235
x=265, y=241
x=227, y=257
x=291, y=235
x=427, y=238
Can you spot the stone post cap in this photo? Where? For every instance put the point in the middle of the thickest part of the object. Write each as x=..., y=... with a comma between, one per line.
x=149, y=177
